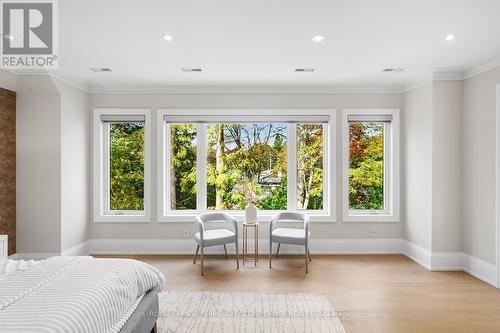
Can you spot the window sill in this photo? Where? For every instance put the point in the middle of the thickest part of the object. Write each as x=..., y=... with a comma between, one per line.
x=122, y=218
x=370, y=218
x=240, y=216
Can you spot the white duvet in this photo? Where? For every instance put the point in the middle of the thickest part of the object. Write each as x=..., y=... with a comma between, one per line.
x=72, y=294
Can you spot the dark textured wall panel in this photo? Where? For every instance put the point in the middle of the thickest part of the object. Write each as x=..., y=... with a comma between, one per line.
x=8, y=167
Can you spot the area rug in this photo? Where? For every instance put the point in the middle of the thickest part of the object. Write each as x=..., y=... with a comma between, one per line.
x=238, y=312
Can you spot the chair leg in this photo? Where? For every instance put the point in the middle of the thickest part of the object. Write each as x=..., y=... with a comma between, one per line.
x=225, y=250
x=196, y=254
x=307, y=260
x=201, y=260
x=270, y=252
x=309, y=253
x=237, y=256
x=278, y=250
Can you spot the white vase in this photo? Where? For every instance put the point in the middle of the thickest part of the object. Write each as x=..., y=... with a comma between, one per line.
x=251, y=213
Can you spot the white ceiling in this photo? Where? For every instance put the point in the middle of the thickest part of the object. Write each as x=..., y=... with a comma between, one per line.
x=259, y=43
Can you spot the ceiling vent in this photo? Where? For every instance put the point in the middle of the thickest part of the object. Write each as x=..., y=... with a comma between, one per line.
x=184, y=69
x=100, y=69
x=305, y=69
x=393, y=69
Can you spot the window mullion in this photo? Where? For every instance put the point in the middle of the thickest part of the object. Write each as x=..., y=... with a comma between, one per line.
x=387, y=168
x=201, y=167
x=106, y=169
x=292, y=168
x=326, y=170
x=166, y=156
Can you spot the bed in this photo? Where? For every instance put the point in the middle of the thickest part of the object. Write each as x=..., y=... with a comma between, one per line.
x=79, y=294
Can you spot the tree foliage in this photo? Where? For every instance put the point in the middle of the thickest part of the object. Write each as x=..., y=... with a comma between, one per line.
x=183, y=168
x=366, y=166
x=242, y=157
x=310, y=166
x=126, y=164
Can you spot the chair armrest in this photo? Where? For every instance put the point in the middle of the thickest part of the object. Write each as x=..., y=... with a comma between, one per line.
x=273, y=220
x=234, y=221
x=201, y=226
x=306, y=226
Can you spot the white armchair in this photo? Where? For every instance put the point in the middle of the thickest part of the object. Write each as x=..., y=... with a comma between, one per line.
x=295, y=236
x=205, y=238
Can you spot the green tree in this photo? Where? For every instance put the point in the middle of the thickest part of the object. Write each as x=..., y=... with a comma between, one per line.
x=126, y=162
x=183, y=166
x=310, y=166
x=366, y=166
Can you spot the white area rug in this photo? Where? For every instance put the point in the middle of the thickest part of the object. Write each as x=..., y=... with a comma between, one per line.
x=214, y=312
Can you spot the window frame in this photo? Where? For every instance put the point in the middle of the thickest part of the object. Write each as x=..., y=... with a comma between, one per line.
x=165, y=214
x=101, y=165
x=391, y=212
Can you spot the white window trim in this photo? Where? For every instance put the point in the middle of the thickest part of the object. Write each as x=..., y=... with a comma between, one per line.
x=391, y=212
x=166, y=215
x=99, y=206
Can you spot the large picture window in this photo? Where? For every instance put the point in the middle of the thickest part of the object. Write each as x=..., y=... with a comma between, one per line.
x=371, y=165
x=246, y=157
x=220, y=162
x=121, y=159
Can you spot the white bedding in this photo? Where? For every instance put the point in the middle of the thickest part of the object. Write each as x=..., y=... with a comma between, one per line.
x=72, y=294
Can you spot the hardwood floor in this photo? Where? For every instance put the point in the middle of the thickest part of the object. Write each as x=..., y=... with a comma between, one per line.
x=377, y=293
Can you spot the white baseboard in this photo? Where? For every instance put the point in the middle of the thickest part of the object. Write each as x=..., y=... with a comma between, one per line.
x=452, y=261
x=481, y=269
x=434, y=261
x=77, y=250
x=447, y=261
x=417, y=253
x=33, y=256
x=188, y=246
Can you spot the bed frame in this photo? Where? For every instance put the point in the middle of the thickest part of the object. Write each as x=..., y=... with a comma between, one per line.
x=143, y=319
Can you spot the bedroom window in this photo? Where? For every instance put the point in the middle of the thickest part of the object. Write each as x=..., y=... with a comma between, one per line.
x=371, y=168
x=212, y=162
x=121, y=165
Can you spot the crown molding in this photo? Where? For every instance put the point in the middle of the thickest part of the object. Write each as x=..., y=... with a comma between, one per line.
x=447, y=73
x=437, y=74
x=80, y=85
x=372, y=89
x=482, y=68
x=416, y=84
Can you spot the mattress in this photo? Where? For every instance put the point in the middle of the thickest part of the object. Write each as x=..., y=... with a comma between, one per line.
x=73, y=294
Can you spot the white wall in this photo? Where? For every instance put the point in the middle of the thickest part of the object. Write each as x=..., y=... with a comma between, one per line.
x=156, y=230
x=53, y=165
x=38, y=165
x=75, y=165
x=417, y=165
x=447, y=166
x=8, y=80
x=478, y=163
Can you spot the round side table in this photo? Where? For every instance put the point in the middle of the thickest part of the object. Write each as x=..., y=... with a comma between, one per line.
x=255, y=255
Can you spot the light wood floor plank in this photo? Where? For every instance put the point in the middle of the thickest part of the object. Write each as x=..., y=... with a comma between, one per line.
x=379, y=293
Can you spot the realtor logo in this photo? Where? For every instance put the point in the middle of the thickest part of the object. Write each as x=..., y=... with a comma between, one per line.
x=28, y=34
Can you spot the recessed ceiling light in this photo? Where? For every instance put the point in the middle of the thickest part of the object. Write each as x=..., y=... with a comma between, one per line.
x=398, y=69
x=100, y=69
x=450, y=37
x=185, y=69
x=318, y=38
x=10, y=37
x=311, y=69
x=168, y=38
